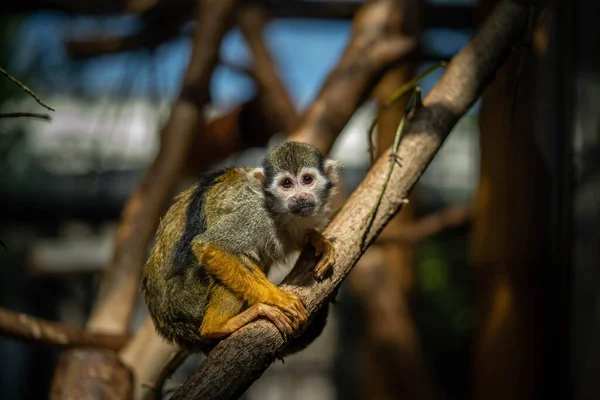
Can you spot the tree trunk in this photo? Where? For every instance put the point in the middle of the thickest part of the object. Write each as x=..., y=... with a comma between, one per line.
x=509, y=240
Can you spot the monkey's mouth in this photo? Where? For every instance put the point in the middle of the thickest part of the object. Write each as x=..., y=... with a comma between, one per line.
x=302, y=208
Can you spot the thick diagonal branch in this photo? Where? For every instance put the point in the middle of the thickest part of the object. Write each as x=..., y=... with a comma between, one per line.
x=24, y=327
x=242, y=358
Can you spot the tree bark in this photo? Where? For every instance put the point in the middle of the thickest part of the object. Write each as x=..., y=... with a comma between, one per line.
x=242, y=358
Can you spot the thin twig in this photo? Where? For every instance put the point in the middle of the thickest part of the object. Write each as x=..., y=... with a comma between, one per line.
x=27, y=90
x=47, y=117
x=413, y=82
x=371, y=134
x=404, y=89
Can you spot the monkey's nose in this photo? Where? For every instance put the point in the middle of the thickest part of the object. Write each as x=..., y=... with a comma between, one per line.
x=302, y=207
x=301, y=197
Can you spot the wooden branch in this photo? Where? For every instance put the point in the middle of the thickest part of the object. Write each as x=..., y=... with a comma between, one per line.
x=430, y=225
x=176, y=358
x=391, y=362
x=146, y=355
x=120, y=284
x=40, y=331
x=245, y=126
x=119, y=288
x=277, y=103
x=242, y=358
x=377, y=43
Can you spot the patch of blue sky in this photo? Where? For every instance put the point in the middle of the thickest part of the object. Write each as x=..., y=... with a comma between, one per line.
x=305, y=51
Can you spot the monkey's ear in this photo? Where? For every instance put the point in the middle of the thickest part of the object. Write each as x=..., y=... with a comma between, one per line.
x=332, y=169
x=259, y=174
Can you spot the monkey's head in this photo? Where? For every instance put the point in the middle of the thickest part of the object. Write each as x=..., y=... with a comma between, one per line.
x=298, y=180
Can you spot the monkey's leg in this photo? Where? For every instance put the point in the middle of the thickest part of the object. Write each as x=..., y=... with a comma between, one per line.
x=324, y=249
x=220, y=319
x=247, y=280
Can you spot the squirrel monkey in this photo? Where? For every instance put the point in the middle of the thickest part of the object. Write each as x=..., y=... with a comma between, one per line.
x=206, y=274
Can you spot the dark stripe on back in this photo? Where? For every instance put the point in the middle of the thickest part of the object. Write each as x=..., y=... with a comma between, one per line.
x=194, y=224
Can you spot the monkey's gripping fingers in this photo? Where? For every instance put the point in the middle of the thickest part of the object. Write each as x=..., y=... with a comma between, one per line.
x=324, y=249
x=277, y=317
x=291, y=304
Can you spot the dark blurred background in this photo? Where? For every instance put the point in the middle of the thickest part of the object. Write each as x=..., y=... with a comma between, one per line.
x=509, y=294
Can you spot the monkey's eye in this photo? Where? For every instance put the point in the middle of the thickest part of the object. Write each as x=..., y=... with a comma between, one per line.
x=286, y=183
x=307, y=179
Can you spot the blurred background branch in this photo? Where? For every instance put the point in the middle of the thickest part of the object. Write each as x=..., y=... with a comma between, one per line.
x=35, y=330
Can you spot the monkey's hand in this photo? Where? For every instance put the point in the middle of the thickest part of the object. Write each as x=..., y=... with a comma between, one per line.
x=324, y=249
x=291, y=305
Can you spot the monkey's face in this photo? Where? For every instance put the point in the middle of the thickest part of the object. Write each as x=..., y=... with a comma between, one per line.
x=299, y=180
x=299, y=194
x=303, y=194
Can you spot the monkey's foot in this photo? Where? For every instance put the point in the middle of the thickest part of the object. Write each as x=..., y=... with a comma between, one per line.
x=323, y=249
x=213, y=329
x=277, y=317
x=291, y=305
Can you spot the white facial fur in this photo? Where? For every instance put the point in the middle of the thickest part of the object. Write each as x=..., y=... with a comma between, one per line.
x=304, y=188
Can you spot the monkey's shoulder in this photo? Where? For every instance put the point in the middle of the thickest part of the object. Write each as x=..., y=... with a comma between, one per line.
x=237, y=193
x=225, y=208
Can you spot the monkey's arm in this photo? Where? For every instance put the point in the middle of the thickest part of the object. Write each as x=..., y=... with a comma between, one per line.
x=246, y=279
x=324, y=249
